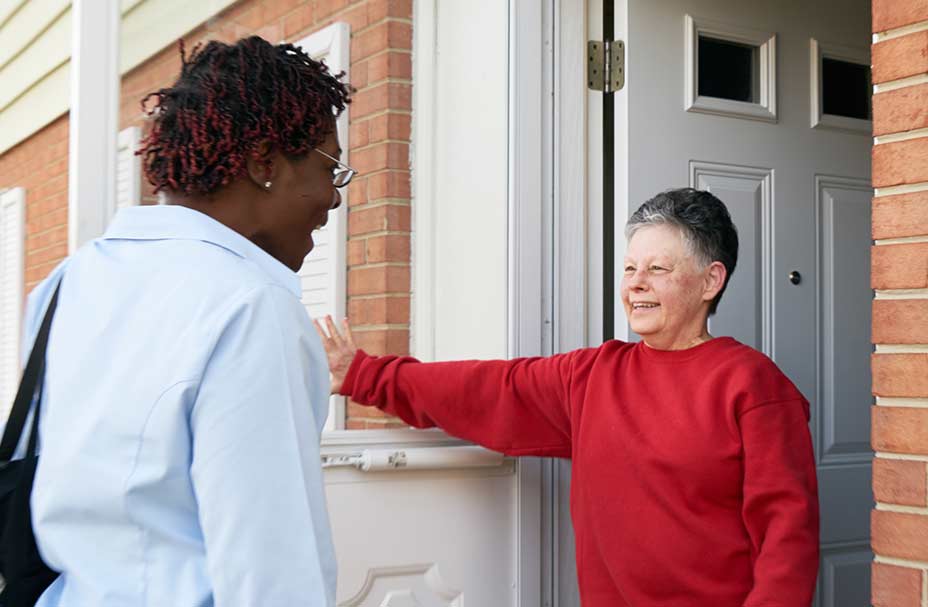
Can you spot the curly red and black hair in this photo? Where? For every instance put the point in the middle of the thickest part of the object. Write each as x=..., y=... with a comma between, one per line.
x=227, y=99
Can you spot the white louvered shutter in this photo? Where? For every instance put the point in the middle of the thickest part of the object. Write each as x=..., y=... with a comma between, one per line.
x=12, y=240
x=128, y=169
x=323, y=275
x=317, y=276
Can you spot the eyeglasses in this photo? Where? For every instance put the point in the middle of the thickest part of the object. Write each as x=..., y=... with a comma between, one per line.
x=343, y=174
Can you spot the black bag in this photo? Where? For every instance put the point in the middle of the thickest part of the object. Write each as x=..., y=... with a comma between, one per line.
x=26, y=574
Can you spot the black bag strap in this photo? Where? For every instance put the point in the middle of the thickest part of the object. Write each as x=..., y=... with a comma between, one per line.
x=31, y=383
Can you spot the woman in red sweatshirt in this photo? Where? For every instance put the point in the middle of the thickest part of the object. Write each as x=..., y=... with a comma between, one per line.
x=693, y=478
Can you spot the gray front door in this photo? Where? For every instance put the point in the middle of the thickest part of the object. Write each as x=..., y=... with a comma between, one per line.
x=727, y=96
x=766, y=104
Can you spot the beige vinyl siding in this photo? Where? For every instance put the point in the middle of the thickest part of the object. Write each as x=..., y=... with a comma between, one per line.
x=36, y=50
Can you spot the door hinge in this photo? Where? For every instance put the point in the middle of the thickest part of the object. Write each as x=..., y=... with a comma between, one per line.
x=605, y=65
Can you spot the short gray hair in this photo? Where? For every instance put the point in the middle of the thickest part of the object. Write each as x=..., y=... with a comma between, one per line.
x=703, y=221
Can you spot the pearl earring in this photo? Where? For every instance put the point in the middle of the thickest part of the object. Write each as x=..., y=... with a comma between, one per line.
x=267, y=185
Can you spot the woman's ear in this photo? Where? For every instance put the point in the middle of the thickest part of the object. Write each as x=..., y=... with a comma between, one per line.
x=715, y=280
x=261, y=167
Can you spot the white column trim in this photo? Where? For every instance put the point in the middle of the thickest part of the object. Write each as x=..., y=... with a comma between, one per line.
x=422, y=179
x=93, y=119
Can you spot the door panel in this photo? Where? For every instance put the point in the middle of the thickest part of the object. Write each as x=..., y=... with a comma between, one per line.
x=744, y=312
x=425, y=538
x=845, y=577
x=843, y=217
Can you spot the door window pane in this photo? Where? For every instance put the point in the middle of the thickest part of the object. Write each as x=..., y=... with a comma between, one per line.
x=728, y=70
x=845, y=89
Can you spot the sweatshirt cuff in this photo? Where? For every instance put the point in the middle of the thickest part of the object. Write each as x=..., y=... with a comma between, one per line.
x=353, y=370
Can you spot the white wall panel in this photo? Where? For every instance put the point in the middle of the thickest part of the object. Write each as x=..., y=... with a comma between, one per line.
x=460, y=182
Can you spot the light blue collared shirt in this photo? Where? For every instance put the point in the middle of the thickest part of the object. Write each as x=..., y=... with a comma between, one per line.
x=185, y=395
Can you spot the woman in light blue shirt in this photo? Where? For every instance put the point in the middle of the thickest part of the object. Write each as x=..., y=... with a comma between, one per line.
x=186, y=388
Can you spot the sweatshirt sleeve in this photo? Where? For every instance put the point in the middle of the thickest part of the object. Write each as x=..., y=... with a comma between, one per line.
x=517, y=407
x=781, y=511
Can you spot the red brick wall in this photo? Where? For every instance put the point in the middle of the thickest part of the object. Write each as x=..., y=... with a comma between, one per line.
x=899, y=524
x=40, y=165
x=379, y=125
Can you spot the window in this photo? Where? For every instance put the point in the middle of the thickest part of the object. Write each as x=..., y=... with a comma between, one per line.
x=729, y=70
x=12, y=239
x=840, y=87
x=324, y=270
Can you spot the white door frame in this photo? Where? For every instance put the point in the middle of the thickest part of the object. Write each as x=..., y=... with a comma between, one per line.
x=556, y=231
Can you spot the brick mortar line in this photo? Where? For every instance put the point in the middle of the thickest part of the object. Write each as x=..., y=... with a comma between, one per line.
x=38, y=216
x=925, y=588
x=901, y=456
x=898, y=562
x=381, y=264
x=385, y=170
x=381, y=82
x=386, y=294
x=372, y=297
x=43, y=232
x=379, y=113
x=895, y=401
x=382, y=202
x=371, y=26
x=368, y=235
x=900, y=83
x=900, y=294
x=902, y=240
x=904, y=188
x=898, y=32
x=389, y=49
x=381, y=142
x=901, y=349
x=900, y=509
x=900, y=136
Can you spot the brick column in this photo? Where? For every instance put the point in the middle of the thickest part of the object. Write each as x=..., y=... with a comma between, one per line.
x=899, y=524
x=379, y=219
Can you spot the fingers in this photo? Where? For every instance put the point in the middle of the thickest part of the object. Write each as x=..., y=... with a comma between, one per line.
x=348, y=333
x=332, y=338
x=333, y=331
x=322, y=334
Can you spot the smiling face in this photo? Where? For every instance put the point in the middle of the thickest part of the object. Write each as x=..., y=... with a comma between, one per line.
x=297, y=203
x=665, y=291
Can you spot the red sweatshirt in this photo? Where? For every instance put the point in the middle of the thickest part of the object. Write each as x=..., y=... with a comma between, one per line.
x=693, y=478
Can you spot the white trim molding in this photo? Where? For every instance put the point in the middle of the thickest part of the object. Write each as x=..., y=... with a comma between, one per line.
x=93, y=119
x=325, y=268
x=818, y=119
x=12, y=292
x=422, y=178
x=766, y=42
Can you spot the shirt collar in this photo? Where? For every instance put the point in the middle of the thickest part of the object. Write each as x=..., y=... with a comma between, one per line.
x=174, y=222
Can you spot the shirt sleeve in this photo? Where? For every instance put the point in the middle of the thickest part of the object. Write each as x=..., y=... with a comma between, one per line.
x=517, y=407
x=781, y=512
x=255, y=465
